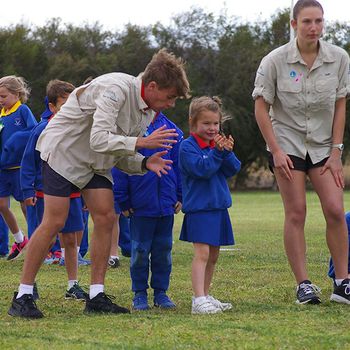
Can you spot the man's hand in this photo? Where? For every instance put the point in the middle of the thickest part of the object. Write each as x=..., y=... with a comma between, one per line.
x=157, y=164
x=160, y=138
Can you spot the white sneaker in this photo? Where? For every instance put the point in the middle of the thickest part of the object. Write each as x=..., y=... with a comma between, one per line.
x=219, y=304
x=204, y=307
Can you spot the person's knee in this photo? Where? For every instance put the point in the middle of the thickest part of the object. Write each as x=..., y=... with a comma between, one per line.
x=104, y=219
x=334, y=214
x=297, y=215
x=53, y=225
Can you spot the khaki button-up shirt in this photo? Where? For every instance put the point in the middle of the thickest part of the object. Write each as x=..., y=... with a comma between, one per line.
x=302, y=100
x=97, y=129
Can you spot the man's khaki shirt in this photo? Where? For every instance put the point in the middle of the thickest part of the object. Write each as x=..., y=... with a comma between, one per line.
x=97, y=129
x=303, y=101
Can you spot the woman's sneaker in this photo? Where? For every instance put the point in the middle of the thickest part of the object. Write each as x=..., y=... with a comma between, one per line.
x=219, y=304
x=341, y=294
x=307, y=293
x=17, y=249
x=76, y=293
x=204, y=306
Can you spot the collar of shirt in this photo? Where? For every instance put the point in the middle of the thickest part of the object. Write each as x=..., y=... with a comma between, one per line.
x=324, y=54
x=201, y=143
x=141, y=94
x=11, y=110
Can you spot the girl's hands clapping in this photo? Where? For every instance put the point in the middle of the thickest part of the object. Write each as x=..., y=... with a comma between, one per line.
x=223, y=142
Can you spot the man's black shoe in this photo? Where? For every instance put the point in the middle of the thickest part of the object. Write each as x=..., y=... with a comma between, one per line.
x=341, y=294
x=24, y=307
x=103, y=303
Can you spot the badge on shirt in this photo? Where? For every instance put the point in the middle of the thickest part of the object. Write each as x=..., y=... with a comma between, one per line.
x=295, y=75
x=1, y=125
x=18, y=121
x=111, y=95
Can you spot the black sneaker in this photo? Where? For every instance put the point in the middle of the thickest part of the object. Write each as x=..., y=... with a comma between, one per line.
x=76, y=293
x=341, y=294
x=35, y=292
x=102, y=303
x=113, y=263
x=307, y=293
x=24, y=307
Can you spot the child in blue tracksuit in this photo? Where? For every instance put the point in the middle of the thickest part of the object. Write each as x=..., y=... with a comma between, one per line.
x=206, y=160
x=331, y=272
x=16, y=122
x=31, y=182
x=151, y=202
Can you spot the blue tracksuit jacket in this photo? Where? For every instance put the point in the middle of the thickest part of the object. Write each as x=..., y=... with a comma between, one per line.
x=14, y=135
x=204, y=172
x=150, y=195
x=31, y=178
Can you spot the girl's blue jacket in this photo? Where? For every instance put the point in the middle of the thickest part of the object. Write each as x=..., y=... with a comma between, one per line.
x=14, y=136
x=204, y=172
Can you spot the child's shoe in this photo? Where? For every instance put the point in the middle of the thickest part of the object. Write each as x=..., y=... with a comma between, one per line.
x=114, y=262
x=49, y=259
x=219, y=304
x=56, y=255
x=82, y=261
x=163, y=301
x=17, y=249
x=140, y=302
x=204, y=306
x=76, y=293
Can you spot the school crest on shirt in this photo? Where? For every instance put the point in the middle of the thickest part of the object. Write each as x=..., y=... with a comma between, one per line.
x=18, y=121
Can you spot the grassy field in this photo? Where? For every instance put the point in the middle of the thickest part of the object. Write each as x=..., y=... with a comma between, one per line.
x=254, y=276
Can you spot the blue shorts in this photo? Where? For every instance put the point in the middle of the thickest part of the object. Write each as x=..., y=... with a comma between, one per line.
x=10, y=184
x=74, y=220
x=117, y=207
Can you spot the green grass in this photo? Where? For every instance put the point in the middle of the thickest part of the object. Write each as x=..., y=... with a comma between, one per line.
x=255, y=277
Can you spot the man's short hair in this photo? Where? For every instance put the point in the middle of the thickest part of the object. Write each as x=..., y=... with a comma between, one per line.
x=167, y=71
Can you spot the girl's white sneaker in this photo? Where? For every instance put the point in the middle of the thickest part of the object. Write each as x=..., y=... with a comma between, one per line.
x=204, y=307
x=219, y=304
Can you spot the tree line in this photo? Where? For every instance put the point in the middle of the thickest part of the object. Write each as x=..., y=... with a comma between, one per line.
x=221, y=54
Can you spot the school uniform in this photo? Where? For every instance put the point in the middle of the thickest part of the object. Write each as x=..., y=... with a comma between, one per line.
x=206, y=196
x=153, y=200
x=15, y=127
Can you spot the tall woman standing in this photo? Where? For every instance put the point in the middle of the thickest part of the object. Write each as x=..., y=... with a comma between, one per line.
x=300, y=101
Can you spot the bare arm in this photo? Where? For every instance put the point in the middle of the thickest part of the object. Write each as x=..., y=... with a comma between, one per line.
x=334, y=163
x=282, y=162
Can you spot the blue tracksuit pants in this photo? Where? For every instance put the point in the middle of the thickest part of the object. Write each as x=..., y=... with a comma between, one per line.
x=4, y=237
x=151, y=244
